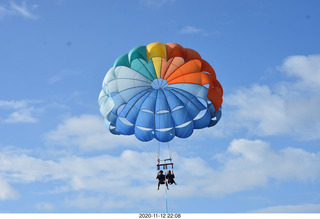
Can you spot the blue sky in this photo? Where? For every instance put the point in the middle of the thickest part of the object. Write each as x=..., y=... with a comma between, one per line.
x=57, y=156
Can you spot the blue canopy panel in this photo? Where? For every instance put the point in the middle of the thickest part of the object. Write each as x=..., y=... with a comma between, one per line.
x=181, y=118
x=196, y=90
x=154, y=119
x=178, y=110
x=121, y=88
x=137, y=116
x=162, y=105
x=158, y=113
x=164, y=126
x=127, y=118
x=120, y=99
x=201, y=93
x=164, y=135
x=112, y=127
x=215, y=117
x=144, y=127
x=197, y=111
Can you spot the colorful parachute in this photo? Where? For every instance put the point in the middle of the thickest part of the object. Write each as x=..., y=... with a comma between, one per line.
x=160, y=91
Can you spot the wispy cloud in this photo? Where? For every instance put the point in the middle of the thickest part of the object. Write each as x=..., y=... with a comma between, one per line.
x=190, y=30
x=61, y=75
x=15, y=9
x=22, y=116
x=19, y=111
x=13, y=104
x=195, y=30
x=6, y=191
x=45, y=206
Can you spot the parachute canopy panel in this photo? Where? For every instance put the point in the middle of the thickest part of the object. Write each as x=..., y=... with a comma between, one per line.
x=160, y=91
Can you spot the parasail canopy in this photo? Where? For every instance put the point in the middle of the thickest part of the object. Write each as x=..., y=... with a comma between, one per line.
x=160, y=91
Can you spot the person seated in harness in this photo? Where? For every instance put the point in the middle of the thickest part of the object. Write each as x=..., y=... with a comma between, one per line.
x=161, y=179
x=170, y=177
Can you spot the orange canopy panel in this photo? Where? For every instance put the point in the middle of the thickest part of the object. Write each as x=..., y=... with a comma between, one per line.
x=174, y=50
x=168, y=67
x=207, y=67
x=193, y=78
x=191, y=54
x=189, y=67
x=215, y=93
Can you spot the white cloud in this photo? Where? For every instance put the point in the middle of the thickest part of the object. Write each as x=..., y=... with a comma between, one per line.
x=23, y=116
x=44, y=206
x=305, y=208
x=84, y=201
x=131, y=175
x=307, y=68
x=258, y=109
x=22, y=111
x=288, y=163
x=287, y=108
x=15, y=9
x=195, y=30
x=81, y=201
x=250, y=164
x=190, y=30
x=87, y=132
x=13, y=104
x=22, y=10
x=6, y=191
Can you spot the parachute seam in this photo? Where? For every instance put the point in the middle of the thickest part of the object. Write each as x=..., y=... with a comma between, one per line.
x=152, y=111
x=186, y=62
x=199, y=85
x=119, y=93
x=188, y=74
x=119, y=79
x=134, y=79
x=150, y=91
x=135, y=102
x=144, y=66
x=187, y=112
x=134, y=71
x=186, y=97
x=174, y=65
x=170, y=60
